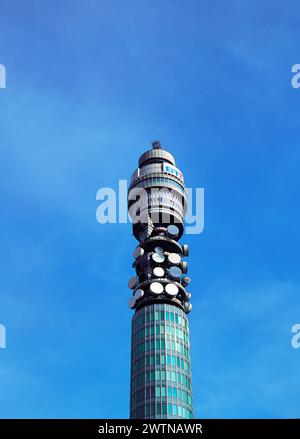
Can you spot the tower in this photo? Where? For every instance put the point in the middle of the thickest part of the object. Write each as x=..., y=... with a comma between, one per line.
x=160, y=386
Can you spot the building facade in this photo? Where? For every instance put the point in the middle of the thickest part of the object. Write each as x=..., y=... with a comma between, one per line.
x=161, y=382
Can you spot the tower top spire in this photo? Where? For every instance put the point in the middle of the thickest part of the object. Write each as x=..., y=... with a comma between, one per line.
x=156, y=144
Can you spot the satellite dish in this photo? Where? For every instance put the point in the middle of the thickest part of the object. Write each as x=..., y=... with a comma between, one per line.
x=187, y=307
x=132, y=283
x=174, y=258
x=185, y=250
x=158, y=272
x=131, y=302
x=184, y=267
x=158, y=257
x=173, y=230
x=138, y=294
x=139, y=251
x=185, y=281
x=159, y=250
x=171, y=290
x=156, y=288
x=175, y=272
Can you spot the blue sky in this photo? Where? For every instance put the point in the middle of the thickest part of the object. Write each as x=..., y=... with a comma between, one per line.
x=89, y=85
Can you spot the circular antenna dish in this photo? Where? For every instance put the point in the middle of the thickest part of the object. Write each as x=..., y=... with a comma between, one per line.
x=189, y=295
x=138, y=294
x=173, y=230
x=171, y=290
x=185, y=281
x=187, y=307
x=156, y=288
x=174, y=258
x=158, y=272
x=131, y=302
x=158, y=257
x=185, y=250
x=175, y=272
x=184, y=267
x=159, y=250
x=139, y=251
x=132, y=283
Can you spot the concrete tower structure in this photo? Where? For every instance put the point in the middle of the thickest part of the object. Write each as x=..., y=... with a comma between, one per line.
x=161, y=384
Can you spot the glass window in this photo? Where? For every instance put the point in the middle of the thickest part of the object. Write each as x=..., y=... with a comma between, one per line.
x=158, y=408
x=152, y=409
x=147, y=392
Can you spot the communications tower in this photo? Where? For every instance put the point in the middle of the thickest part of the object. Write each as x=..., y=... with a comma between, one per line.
x=161, y=384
